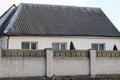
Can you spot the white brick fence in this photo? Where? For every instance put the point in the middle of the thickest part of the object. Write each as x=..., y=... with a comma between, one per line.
x=25, y=63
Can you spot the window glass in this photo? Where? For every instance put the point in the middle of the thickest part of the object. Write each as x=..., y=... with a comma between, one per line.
x=98, y=46
x=25, y=45
x=59, y=46
x=55, y=46
x=101, y=47
x=63, y=46
x=33, y=45
x=95, y=46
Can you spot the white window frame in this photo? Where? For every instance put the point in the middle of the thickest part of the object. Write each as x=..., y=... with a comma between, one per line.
x=30, y=44
x=59, y=43
x=98, y=45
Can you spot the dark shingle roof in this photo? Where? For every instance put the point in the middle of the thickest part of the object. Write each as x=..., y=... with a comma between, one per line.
x=37, y=19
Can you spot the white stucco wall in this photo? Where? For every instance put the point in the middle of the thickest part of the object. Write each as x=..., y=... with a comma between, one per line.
x=79, y=42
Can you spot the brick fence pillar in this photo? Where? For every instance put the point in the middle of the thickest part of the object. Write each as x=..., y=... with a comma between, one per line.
x=49, y=62
x=92, y=62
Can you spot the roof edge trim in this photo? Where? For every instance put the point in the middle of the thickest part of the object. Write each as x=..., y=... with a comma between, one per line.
x=58, y=5
x=8, y=10
x=13, y=18
x=57, y=35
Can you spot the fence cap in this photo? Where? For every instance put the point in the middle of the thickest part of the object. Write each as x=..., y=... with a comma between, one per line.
x=91, y=49
x=48, y=49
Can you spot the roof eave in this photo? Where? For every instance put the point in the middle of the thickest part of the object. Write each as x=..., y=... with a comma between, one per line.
x=5, y=34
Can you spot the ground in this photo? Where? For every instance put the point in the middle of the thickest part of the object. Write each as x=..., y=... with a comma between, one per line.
x=113, y=77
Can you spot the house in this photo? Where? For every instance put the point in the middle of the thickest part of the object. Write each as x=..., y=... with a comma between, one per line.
x=40, y=26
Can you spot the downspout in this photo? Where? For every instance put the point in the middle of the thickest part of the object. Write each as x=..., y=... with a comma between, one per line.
x=8, y=42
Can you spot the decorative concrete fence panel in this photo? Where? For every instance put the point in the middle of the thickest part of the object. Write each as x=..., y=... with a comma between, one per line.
x=108, y=62
x=71, y=62
x=22, y=63
x=25, y=63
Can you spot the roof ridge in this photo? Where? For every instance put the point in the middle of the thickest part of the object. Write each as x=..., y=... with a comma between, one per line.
x=58, y=5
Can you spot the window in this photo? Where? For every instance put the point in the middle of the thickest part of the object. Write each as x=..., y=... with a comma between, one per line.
x=25, y=45
x=33, y=45
x=98, y=46
x=63, y=46
x=29, y=45
x=55, y=46
x=95, y=46
x=59, y=46
x=101, y=46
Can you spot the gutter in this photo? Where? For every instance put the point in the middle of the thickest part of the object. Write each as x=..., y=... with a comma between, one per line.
x=8, y=42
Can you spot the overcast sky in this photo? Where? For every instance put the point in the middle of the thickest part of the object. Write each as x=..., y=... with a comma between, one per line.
x=110, y=7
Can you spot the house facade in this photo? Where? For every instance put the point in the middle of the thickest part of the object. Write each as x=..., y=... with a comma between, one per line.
x=36, y=26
